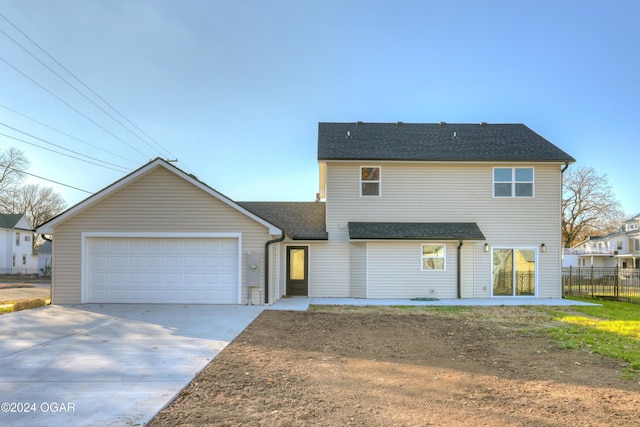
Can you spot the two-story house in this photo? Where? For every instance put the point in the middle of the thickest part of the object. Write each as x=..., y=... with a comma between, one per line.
x=618, y=249
x=403, y=211
x=16, y=245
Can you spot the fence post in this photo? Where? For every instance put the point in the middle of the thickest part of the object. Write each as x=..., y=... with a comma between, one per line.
x=593, y=285
x=616, y=291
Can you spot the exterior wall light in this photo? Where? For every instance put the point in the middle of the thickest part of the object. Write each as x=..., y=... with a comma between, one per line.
x=543, y=247
x=486, y=247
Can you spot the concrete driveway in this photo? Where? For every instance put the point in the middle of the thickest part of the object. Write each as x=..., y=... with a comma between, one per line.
x=107, y=365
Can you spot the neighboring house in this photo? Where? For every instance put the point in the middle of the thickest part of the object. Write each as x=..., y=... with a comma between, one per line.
x=404, y=211
x=618, y=249
x=44, y=258
x=16, y=245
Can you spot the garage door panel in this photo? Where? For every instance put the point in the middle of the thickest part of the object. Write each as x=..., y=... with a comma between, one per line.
x=163, y=270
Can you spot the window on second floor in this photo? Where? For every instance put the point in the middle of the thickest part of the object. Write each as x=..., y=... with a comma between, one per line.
x=370, y=180
x=513, y=182
x=17, y=239
x=632, y=226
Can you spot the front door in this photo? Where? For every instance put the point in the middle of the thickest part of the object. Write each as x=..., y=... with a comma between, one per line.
x=297, y=271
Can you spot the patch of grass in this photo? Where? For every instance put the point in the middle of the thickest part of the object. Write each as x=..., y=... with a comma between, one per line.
x=29, y=303
x=612, y=330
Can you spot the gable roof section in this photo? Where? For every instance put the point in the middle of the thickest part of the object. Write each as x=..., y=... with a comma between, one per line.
x=300, y=220
x=12, y=221
x=435, y=142
x=415, y=231
x=47, y=227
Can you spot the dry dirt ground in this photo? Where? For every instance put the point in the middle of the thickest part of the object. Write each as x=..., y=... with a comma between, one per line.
x=484, y=366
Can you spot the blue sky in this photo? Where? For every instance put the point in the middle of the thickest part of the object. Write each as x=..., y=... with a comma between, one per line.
x=235, y=89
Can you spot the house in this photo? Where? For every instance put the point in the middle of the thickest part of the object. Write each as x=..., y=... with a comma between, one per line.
x=16, y=245
x=403, y=211
x=618, y=249
x=44, y=258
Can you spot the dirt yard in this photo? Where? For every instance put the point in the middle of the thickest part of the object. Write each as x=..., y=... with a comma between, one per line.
x=405, y=367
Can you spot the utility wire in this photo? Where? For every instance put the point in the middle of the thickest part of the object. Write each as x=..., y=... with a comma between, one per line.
x=46, y=179
x=57, y=152
x=85, y=85
x=61, y=147
x=73, y=108
x=64, y=133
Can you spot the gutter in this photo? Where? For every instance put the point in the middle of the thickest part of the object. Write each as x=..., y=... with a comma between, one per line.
x=460, y=270
x=566, y=166
x=266, y=265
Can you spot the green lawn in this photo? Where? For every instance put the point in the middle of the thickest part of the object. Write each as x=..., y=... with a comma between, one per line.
x=612, y=330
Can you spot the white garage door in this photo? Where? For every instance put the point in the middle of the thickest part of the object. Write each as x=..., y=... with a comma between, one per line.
x=162, y=270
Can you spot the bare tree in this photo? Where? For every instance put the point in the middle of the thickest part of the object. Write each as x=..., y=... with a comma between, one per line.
x=39, y=204
x=12, y=164
x=589, y=206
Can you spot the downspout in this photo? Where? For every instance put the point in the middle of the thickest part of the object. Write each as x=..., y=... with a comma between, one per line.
x=460, y=270
x=266, y=265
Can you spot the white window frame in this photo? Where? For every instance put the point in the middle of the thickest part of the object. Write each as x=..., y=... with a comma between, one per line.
x=443, y=257
x=378, y=181
x=514, y=182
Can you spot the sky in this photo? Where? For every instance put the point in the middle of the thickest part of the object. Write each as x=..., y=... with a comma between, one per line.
x=90, y=90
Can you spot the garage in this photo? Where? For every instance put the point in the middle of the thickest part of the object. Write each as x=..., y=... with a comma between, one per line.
x=136, y=269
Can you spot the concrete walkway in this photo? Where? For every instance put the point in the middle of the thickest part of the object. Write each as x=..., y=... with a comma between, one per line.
x=107, y=365
x=302, y=303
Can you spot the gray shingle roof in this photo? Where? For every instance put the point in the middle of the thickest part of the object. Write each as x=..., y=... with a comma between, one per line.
x=300, y=220
x=435, y=142
x=415, y=230
x=9, y=220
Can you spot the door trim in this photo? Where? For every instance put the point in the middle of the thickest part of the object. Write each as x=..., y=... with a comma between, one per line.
x=306, y=270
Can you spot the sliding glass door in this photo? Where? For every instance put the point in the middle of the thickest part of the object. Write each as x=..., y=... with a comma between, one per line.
x=514, y=272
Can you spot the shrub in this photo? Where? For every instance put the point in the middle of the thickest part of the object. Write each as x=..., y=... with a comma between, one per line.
x=29, y=303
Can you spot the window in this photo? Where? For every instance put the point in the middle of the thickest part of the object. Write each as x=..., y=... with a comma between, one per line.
x=370, y=181
x=27, y=238
x=17, y=239
x=24, y=260
x=433, y=257
x=13, y=260
x=513, y=182
x=514, y=272
x=631, y=227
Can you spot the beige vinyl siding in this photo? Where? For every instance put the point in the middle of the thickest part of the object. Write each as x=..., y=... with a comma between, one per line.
x=458, y=192
x=395, y=271
x=158, y=201
x=358, y=288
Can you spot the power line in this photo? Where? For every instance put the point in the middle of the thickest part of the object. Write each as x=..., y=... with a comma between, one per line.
x=72, y=107
x=64, y=133
x=62, y=154
x=46, y=179
x=83, y=84
x=61, y=147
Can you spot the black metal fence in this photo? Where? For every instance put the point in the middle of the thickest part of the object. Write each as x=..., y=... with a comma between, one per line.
x=621, y=284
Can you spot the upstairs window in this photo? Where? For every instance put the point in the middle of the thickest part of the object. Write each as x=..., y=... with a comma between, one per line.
x=17, y=239
x=370, y=181
x=513, y=182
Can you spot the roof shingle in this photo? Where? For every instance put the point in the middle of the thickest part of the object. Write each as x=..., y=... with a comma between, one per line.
x=415, y=231
x=435, y=142
x=300, y=220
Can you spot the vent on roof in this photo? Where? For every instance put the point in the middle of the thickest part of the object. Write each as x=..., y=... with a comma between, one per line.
x=483, y=123
x=442, y=123
x=455, y=135
x=348, y=134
